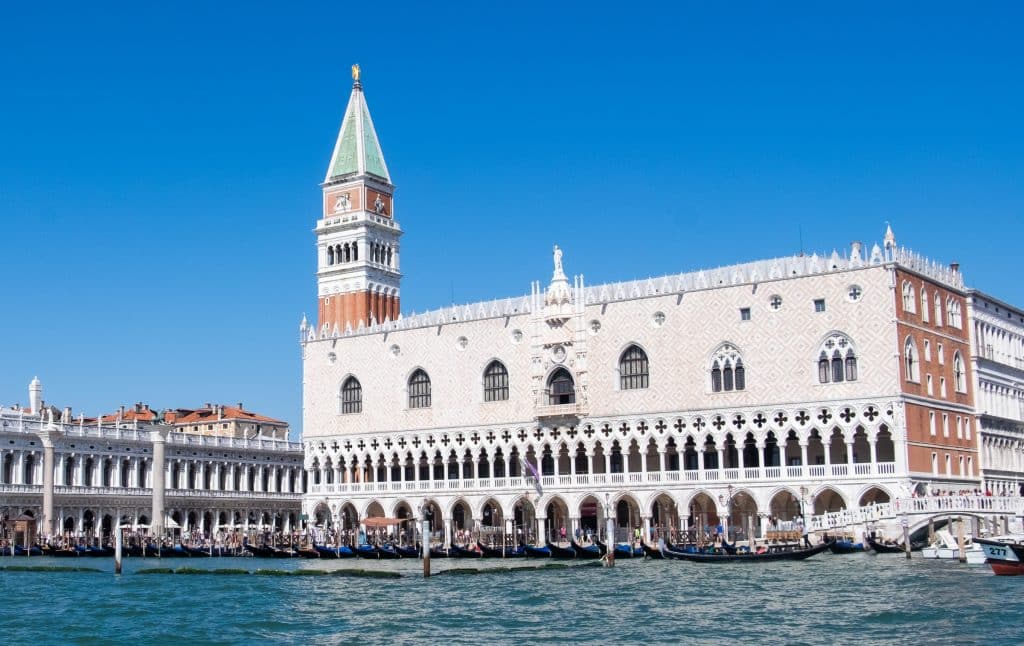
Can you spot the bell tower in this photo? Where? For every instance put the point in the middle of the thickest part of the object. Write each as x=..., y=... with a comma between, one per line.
x=357, y=237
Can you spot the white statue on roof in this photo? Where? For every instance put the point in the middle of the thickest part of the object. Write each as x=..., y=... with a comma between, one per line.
x=559, y=272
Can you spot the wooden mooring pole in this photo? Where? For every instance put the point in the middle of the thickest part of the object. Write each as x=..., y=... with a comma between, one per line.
x=906, y=534
x=425, y=540
x=118, y=549
x=961, y=552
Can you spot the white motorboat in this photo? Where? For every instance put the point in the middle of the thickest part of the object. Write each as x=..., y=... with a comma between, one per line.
x=945, y=547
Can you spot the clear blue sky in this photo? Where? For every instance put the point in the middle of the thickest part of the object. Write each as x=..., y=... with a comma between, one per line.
x=159, y=164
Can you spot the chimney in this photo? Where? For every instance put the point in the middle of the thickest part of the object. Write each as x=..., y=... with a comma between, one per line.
x=206, y=405
x=240, y=407
x=138, y=407
x=220, y=411
x=954, y=267
x=66, y=415
x=122, y=410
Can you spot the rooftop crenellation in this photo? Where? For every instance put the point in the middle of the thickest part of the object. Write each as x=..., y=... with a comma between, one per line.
x=739, y=274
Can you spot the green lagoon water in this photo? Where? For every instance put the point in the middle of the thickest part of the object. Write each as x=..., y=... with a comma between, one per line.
x=828, y=599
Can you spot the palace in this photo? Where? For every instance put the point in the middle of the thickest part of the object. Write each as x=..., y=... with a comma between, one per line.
x=769, y=389
x=137, y=468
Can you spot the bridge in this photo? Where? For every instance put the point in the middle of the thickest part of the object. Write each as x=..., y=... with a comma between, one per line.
x=918, y=513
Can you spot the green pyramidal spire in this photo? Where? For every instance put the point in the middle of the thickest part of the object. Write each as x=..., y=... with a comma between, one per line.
x=357, y=151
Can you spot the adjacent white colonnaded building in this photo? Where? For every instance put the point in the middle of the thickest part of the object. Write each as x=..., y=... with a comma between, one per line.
x=140, y=469
x=768, y=389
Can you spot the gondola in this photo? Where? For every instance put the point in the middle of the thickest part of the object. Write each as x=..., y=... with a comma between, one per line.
x=33, y=550
x=340, y=552
x=626, y=551
x=197, y=552
x=308, y=553
x=883, y=548
x=63, y=552
x=176, y=551
x=438, y=553
x=776, y=553
x=387, y=552
x=652, y=552
x=535, y=552
x=559, y=552
x=134, y=550
x=376, y=552
x=588, y=551
x=261, y=551
x=727, y=547
x=461, y=552
x=845, y=547
x=498, y=553
x=98, y=552
x=408, y=552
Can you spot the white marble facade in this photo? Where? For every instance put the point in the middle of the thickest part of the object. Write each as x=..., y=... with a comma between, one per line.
x=823, y=446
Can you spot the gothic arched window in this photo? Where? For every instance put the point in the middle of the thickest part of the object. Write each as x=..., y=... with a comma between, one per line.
x=910, y=361
x=633, y=369
x=561, y=388
x=837, y=366
x=495, y=382
x=330, y=255
x=837, y=360
x=924, y=305
x=909, y=300
x=419, y=389
x=351, y=396
x=727, y=370
x=937, y=303
x=953, y=316
x=959, y=380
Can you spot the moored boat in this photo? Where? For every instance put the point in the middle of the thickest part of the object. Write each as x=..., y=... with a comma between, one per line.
x=461, y=552
x=774, y=553
x=559, y=552
x=387, y=552
x=587, y=551
x=308, y=553
x=651, y=552
x=1004, y=554
x=534, y=552
x=893, y=548
x=627, y=551
x=497, y=553
x=844, y=546
x=261, y=551
x=331, y=552
x=407, y=552
x=944, y=546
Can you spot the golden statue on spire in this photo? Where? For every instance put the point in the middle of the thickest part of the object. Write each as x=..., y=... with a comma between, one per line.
x=355, y=72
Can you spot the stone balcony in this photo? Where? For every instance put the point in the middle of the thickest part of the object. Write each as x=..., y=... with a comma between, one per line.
x=686, y=478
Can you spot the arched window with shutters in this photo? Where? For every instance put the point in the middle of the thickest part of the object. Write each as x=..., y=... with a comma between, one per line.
x=351, y=396
x=851, y=366
x=633, y=369
x=495, y=382
x=824, y=374
x=419, y=389
x=727, y=370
